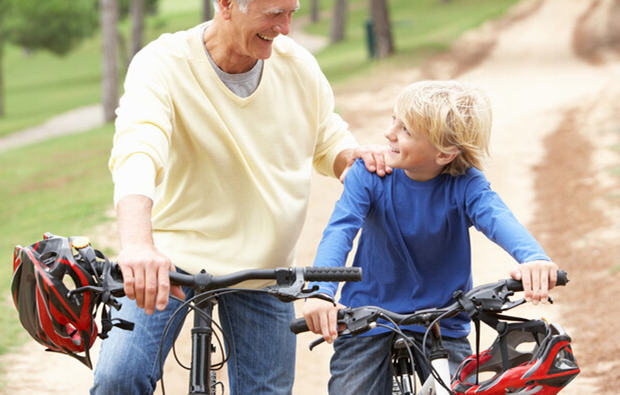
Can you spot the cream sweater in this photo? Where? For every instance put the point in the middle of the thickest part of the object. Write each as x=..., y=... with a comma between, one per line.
x=229, y=176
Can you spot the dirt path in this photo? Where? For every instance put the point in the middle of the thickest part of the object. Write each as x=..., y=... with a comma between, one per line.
x=553, y=73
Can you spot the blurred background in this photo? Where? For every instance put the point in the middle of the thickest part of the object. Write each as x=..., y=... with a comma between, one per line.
x=551, y=67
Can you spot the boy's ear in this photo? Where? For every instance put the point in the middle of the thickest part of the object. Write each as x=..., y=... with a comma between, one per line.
x=443, y=158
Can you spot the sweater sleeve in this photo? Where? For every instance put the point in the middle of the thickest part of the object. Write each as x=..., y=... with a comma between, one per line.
x=333, y=134
x=345, y=222
x=490, y=215
x=143, y=127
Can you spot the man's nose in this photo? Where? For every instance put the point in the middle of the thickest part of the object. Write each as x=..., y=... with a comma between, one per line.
x=284, y=26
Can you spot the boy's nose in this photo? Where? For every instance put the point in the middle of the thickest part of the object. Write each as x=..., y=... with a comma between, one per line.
x=388, y=134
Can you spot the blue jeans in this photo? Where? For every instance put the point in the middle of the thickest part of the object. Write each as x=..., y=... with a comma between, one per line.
x=362, y=364
x=261, y=349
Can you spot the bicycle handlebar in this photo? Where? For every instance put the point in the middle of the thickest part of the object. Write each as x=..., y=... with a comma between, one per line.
x=492, y=297
x=289, y=281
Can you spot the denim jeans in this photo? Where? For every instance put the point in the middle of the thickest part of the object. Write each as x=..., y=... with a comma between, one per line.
x=362, y=364
x=261, y=347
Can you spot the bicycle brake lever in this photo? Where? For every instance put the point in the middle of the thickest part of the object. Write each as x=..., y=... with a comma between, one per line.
x=511, y=304
x=316, y=343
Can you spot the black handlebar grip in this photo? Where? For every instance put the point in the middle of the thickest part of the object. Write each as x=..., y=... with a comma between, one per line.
x=298, y=325
x=333, y=274
x=562, y=278
x=517, y=286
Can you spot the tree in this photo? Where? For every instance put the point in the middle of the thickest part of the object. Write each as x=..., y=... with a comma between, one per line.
x=382, y=29
x=108, y=13
x=339, y=22
x=137, y=26
x=314, y=11
x=54, y=25
x=4, y=7
x=206, y=10
x=60, y=24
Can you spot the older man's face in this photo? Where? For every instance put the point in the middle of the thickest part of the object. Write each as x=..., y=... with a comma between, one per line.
x=264, y=21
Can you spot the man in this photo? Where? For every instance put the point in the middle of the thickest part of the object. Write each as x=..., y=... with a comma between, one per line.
x=216, y=136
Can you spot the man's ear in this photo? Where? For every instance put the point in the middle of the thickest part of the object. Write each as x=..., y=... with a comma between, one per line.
x=443, y=158
x=224, y=6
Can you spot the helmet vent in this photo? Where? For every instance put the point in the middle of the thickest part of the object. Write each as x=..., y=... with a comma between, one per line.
x=526, y=347
x=49, y=258
x=68, y=282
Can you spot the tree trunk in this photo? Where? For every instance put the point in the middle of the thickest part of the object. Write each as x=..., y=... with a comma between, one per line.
x=314, y=11
x=206, y=10
x=109, y=81
x=1, y=79
x=339, y=22
x=137, y=27
x=382, y=29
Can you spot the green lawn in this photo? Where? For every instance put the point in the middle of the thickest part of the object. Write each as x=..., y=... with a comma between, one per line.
x=60, y=186
x=63, y=186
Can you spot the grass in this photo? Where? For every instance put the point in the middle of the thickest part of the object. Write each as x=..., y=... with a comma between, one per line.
x=60, y=186
x=40, y=85
x=63, y=186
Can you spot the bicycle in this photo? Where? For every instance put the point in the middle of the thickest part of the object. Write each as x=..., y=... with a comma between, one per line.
x=87, y=279
x=515, y=370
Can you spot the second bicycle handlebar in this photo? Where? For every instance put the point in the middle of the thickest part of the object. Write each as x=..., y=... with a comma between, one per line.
x=486, y=297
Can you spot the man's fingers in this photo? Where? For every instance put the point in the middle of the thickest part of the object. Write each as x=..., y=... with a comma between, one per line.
x=163, y=287
x=128, y=281
x=139, y=286
x=150, y=290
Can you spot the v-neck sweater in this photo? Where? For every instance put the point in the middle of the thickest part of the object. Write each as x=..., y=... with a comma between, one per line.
x=229, y=176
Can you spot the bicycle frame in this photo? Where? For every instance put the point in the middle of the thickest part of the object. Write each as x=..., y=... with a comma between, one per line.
x=404, y=370
x=200, y=378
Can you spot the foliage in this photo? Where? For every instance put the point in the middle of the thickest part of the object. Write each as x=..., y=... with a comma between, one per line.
x=56, y=25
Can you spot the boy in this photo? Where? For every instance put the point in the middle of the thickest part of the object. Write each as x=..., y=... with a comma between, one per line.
x=414, y=248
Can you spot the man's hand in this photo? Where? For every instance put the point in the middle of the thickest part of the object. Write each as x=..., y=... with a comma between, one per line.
x=321, y=317
x=372, y=155
x=538, y=277
x=145, y=269
x=145, y=277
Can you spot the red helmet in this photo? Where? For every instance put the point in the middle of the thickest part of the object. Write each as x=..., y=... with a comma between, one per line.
x=43, y=274
x=544, y=370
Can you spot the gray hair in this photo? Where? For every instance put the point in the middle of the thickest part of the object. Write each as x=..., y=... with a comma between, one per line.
x=243, y=5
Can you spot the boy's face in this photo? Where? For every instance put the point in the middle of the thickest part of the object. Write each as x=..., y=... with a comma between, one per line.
x=412, y=151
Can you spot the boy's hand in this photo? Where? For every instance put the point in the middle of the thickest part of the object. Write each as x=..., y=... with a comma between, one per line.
x=538, y=277
x=321, y=317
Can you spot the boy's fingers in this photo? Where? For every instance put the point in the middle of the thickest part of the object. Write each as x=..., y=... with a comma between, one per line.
x=333, y=323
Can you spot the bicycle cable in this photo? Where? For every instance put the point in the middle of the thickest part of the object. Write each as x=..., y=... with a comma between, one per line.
x=190, y=304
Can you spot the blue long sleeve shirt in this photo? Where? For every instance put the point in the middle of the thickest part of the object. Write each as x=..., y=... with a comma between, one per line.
x=414, y=248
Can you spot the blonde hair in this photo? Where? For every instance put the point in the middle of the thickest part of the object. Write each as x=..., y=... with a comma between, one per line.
x=450, y=114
